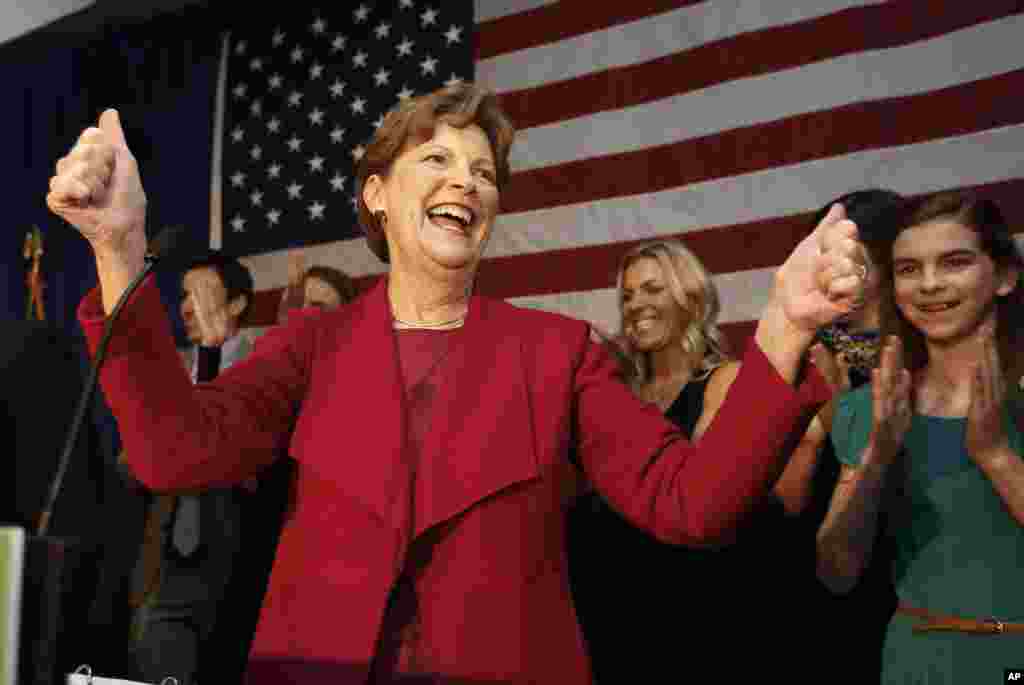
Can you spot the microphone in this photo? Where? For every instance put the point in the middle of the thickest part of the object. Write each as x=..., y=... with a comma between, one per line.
x=167, y=250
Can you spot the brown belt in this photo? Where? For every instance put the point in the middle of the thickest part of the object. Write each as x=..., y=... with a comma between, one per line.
x=933, y=622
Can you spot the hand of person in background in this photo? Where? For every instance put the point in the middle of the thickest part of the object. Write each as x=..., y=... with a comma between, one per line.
x=296, y=269
x=833, y=367
x=836, y=371
x=210, y=306
x=97, y=189
x=292, y=296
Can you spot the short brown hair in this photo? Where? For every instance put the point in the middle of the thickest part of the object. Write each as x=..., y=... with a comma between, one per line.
x=414, y=120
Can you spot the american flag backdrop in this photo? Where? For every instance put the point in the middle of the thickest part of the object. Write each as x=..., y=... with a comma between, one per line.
x=305, y=92
x=725, y=123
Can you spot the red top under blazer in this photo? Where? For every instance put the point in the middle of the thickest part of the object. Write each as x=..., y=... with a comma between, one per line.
x=529, y=393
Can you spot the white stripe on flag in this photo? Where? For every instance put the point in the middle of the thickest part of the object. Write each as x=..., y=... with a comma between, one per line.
x=647, y=39
x=485, y=10
x=20, y=18
x=954, y=58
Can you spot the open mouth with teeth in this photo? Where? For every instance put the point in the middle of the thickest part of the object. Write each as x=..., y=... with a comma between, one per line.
x=452, y=217
x=645, y=324
x=937, y=307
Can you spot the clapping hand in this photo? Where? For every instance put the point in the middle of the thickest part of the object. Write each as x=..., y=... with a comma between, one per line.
x=892, y=405
x=986, y=435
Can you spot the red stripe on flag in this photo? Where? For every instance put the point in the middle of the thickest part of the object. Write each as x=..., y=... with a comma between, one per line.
x=565, y=19
x=744, y=56
x=722, y=249
x=958, y=110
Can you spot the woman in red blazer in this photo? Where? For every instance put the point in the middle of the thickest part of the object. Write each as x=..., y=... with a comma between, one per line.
x=426, y=539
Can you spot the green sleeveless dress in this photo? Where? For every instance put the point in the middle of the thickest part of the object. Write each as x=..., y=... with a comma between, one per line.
x=958, y=550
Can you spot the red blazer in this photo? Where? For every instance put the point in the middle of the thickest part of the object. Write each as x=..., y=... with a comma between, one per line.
x=531, y=394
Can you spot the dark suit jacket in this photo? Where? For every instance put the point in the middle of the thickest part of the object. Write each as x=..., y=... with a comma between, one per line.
x=489, y=493
x=40, y=380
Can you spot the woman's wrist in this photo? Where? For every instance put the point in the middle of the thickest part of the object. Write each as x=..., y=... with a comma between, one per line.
x=116, y=270
x=781, y=341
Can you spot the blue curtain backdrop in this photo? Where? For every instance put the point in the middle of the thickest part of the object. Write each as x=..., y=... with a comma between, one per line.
x=161, y=76
x=45, y=102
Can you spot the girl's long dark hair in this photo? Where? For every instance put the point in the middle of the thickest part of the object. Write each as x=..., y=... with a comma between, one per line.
x=984, y=217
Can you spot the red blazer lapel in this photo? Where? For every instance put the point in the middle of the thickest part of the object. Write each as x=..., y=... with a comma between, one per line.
x=481, y=438
x=353, y=425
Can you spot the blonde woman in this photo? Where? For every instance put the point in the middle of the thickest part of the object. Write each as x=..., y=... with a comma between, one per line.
x=676, y=359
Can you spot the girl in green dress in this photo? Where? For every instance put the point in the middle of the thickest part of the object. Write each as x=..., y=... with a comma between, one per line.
x=936, y=444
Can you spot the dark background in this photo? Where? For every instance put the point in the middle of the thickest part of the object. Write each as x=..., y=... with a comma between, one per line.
x=156, y=62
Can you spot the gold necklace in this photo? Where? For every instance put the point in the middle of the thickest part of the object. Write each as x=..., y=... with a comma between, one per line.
x=442, y=326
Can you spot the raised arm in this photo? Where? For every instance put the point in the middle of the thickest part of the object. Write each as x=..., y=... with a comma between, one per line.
x=697, y=494
x=821, y=280
x=180, y=436
x=682, y=492
x=176, y=436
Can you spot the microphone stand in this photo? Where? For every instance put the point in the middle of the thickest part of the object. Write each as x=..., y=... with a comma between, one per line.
x=88, y=392
x=50, y=562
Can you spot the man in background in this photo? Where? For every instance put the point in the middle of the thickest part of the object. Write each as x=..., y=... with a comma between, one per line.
x=204, y=564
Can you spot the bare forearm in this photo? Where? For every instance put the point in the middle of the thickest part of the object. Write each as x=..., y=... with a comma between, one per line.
x=847, y=535
x=116, y=271
x=796, y=482
x=1005, y=469
x=826, y=415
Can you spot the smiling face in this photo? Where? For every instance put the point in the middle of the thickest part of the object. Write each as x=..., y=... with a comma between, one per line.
x=651, y=317
x=944, y=284
x=440, y=198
